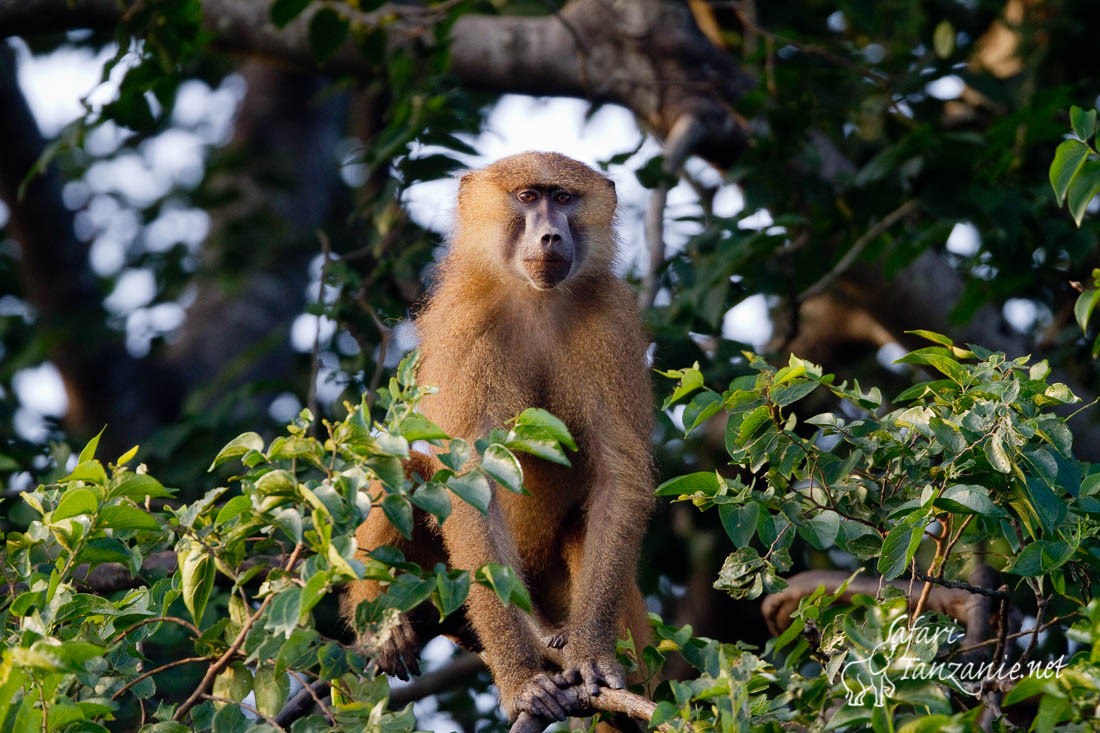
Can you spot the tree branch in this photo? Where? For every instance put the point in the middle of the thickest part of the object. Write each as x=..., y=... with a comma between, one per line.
x=581, y=704
x=647, y=55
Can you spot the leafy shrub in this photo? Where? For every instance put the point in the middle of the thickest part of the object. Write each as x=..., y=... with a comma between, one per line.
x=278, y=537
x=971, y=468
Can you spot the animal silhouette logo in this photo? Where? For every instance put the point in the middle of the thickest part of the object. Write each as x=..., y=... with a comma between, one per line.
x=870, y=674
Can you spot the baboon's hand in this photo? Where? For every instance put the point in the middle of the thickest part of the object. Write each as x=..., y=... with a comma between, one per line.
x=395, y=649
x=543, y=696
x=601, y=670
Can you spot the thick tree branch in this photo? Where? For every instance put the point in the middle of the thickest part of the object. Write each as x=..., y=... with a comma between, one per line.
x=971, y=604
x=581, y=704
x=647, y=55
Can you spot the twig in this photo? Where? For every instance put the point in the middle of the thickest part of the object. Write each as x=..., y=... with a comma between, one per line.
x=146, y=675
x=857, y=249
x=238, y=642
x=682, y=139
x=157, y=620
x=315, y=355
x=385, y=335
x=1001, y=593
x=934, y=567
x=303, y=700
x=1042, y=604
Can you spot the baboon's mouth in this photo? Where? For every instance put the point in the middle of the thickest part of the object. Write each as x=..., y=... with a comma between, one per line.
x=547, y=272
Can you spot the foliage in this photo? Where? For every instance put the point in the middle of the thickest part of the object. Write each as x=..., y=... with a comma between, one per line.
x=972, y=467
x=255, y=558
x=1075, y=170
x=846, y=133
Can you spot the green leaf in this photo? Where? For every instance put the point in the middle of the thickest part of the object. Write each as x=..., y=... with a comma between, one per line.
x=548, y=450
x=1030, y=686
x=752, y=423
x=968, y=499
x=399, y=511
x=739, y=522
x=901, y=544
x=271, y=690
x=1068, y=159
x=389, y=469
x=1041, y=557
x=1084, y=307
x=239, y=446
x=232, y=508
x=1048, y=506
x=284, y=11
x=284, y=612
x=503, y=467
x=940, y=359
x=1084, y=186
x=288, y=520
x=948, y=435
x=90, y=471
x=99, y=550
x=792, y=393
x=822, y=529
x=547, y=425
x=196, y=568
x=432, y=497
x=408, y=591
x=506, y=584
x=126, y=457
x=75, y=502
x=452, y=589
x=1082, y=122
x=701, y=408
x=88, y=452
x=473, y=488
x=742, y=573
x=327, y=32
x=995, y=453
x=233, y=682
x=690, y=380
x=126, y=516
x=137, y=486
x=417, y=427
x=936, y=338
x=705, y=482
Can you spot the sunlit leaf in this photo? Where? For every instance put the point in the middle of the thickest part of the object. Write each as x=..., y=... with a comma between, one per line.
x=1068, y=159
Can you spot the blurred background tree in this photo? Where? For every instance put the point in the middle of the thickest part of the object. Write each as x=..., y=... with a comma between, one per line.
x=839, y=172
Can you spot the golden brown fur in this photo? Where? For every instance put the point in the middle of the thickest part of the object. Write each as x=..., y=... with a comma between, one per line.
x=495, y=338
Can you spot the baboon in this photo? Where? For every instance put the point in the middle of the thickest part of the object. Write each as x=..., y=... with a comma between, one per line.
x=527, y=312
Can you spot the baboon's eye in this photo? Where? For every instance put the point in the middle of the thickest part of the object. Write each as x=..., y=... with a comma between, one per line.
x=563, y=197
x=528, y=196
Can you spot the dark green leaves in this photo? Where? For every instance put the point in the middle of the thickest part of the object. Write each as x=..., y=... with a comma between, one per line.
x=506, y=584
x=900, y=544
x=1075, y=170
x=968, y=499
x=473, y=488
x=327, y=32
x=284, y=11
